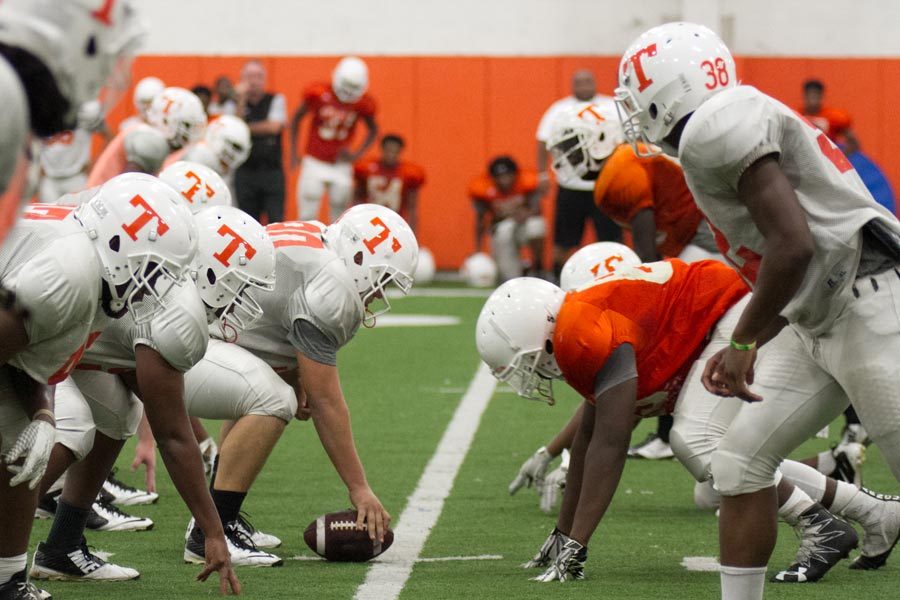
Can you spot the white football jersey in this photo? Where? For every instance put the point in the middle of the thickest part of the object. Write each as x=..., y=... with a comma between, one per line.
x=53, y=269
x=178, y=333
x=732, y=130
x=311, y=283
x=66, y=154
x=131, y=121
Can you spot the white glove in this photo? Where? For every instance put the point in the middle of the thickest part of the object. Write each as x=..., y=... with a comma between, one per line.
x=532, y=471
x=35, y=444
x=554, y=483
x=569, y=564
x=549, y=551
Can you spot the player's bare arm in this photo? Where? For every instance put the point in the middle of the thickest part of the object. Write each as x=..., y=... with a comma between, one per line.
x=13, y=336
x=776, y=211
x=162, y=392
x=371, y=135
x=643, y=235
x=331, y=417
x=412, y=209
x=295, y=132
x=481, y=209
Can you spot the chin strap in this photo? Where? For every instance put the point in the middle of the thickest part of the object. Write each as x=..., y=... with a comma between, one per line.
x=369, y=319
x=229, y=331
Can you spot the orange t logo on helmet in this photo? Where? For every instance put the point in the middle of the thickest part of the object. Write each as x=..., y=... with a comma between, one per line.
x=236, y=242
x=635, y=60
x=148, y=215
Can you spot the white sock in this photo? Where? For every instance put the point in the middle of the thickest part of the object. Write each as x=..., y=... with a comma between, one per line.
x=853, y=503
x=742, y=583
x=11, y=565
x=827, y=464
x=805, y=477
x=794, y=506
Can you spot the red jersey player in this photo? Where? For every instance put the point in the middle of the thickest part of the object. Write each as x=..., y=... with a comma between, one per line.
x=835, y=122
x=327, y=163
x=390, y=181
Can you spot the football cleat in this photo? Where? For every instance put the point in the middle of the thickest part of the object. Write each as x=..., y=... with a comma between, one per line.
x=19, y=588
x=855, y=433
x=106, y=517
x=76, y=565
x=824, y=541
x=259, y=538
x=209, y=451
x=46, y=507
x=244, y=552
x=849, y=457
x=569, y=564
x=548, y=552
x=652, y=448
x=881, y=532
x=125, y=495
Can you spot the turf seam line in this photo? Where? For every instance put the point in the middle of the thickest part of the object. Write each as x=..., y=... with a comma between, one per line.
x=386, y=579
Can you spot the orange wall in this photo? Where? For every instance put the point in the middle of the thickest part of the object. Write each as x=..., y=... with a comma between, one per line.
x=457, y=112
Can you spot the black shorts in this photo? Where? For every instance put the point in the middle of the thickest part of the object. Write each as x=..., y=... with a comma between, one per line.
x=573, y=209
x=260, y=191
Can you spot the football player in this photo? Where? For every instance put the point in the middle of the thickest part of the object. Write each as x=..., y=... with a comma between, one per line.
x=175, y=119
x=795, y=220
x=100, y=412
x=71, y=272
x=391, y=181
x=144, y=92
x=612, y=341
x=224, y=147
x=507, y=200
x=327, y=164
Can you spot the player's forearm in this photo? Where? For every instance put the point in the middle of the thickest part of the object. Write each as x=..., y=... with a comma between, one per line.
x=566, y=435
x=370, y=138
x=541, y=156
x=32, y=395
x=643, y=235
x=574, y=480
x=13, y=337
x=332, y=421
x=603, y=465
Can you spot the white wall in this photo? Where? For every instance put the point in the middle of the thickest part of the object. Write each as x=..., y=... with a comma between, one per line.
x=512, y=27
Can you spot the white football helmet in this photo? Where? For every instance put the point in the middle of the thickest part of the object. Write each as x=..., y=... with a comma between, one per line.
x=179, y=114
x=665, y=75
x=514, y=335
x=581, y=138
x=378, y=247
x=145, y=238
x=199, y=186
x=593, y=261
x=479, y=270
x=426, y=268
x=229, y=139
x=86, y=44
x=90, y=116
x=350, y=79
x=144, y=92
x=234, y=255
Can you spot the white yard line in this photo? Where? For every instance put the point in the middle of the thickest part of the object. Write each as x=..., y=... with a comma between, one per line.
x=386, y=578
x=441, y=293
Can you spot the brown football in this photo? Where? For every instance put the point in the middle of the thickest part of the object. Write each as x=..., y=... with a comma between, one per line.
x=334, y=537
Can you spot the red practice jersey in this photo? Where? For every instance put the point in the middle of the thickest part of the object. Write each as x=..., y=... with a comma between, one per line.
x=333, y=122
x=388, y=186
x=832, y=121
x=482, y=189
x=665, y=310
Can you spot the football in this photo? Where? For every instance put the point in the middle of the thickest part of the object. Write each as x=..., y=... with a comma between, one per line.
x=334, y=537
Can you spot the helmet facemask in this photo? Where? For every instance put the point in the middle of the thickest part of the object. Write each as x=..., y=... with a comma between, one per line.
x=375, y=298
x=148, y=289
x=235, y=310
x=530, y=372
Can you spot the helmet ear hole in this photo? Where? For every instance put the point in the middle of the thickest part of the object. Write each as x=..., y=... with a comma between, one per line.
x=211, y=276
x=114, y=243
x=548, y=347
x=358, y=258
x=653, y=111
x=91, y=48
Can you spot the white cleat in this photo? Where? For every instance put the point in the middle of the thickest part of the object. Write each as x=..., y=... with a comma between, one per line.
x=849, y=458
x=259, y=538
x=881, y=532
x=79, y=564
x=107, y=517
x=243, y=552
x=653, y=448
x=125, y=495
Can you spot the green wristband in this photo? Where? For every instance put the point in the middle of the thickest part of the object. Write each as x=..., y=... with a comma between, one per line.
x=743, y=347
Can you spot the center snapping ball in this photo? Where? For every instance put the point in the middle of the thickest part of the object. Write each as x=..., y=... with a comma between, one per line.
x=335, y=537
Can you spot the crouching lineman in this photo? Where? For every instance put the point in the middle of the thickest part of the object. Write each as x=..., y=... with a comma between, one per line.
x=328, y=280
x=98, y=412
x=225, y=147
x=71, y=272
x=592, y=338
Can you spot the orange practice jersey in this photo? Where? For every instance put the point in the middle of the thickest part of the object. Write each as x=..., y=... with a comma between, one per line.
x=665, y=310
x=832, y=121
x=482, y=189
x=628, y=184
x=111, y=161
x=333, y=122
x=388, y=186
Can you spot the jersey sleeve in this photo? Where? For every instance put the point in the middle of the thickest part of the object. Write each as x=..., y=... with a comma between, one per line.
x=414, y=176
x=620, y=367
x=312, y=343
x=840, y=121
x=312, y=95
x=330, y=302
x=478, y=190
x=527, y=182
x=180, y=333
x=720, y=143
x=146, y=148
x=367, y=106
x=624, y=188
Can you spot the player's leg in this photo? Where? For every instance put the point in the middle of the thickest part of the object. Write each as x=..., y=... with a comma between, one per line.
x=247, y=192
x=310, y=187
x=230, y=383
x=341, y=190
x=273, y=193
x=505, y=249
x=568, y=227
x=74, y=432
x=65, y=554
x=604, y=227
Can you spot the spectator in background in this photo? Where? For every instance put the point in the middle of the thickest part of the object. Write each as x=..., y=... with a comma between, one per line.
x=835, y=122
x=224, y=102
x=205, y=95
x=259, y=182
x=507, y=200
x=574, y=197
x=390, y=181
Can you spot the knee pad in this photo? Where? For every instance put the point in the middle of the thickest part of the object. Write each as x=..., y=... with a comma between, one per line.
x=274, y=401
x=535, y=228
x=705, y=495
x=692, y=451
x=735, y=475
x=505, y=232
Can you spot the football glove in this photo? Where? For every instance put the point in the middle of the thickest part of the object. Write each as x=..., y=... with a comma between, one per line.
x=34, y=444
x=569, y=564
x=532, y=471
x=548, y=552
x=554, y=483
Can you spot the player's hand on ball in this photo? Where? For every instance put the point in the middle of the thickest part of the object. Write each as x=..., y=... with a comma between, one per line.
x=218, y=560
x=370, y=513
x=532, y=471
x=548, y=552
x=569, y=563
